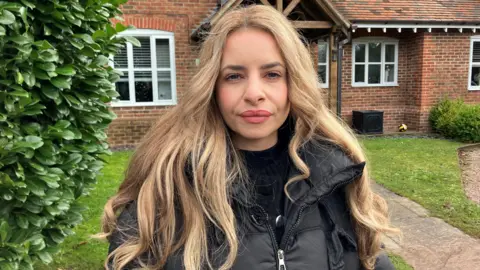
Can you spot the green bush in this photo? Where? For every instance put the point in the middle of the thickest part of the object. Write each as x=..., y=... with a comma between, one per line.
x=455, y=119
x=55, y=82
x=467, y=124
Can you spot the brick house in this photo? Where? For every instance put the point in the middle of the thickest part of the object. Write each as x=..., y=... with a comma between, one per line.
x=396, y=56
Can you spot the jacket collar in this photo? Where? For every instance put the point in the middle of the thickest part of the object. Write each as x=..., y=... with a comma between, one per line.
x=330, y=168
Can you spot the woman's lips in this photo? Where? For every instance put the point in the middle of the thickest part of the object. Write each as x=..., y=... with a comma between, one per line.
x=256, y=116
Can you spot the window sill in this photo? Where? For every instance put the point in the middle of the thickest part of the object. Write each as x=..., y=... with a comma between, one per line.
x=144, y=104
x=473, y=88
x=375, y=85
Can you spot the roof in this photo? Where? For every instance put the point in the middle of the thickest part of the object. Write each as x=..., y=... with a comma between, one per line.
x=433, y=11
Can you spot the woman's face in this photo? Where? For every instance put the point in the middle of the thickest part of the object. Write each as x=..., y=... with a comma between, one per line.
x=251, y=91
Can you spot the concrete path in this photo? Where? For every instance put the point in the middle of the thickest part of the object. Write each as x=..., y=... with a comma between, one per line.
x=428, y=243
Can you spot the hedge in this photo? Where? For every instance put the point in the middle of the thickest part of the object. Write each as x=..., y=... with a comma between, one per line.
x=457, y=120
x=55, y=83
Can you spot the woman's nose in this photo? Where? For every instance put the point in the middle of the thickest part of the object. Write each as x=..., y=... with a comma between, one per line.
x=254, y=92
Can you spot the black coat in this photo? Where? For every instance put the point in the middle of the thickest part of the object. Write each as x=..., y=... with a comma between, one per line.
x=318, y=231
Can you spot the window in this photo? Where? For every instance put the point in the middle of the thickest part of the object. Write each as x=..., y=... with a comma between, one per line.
x=374, y=62
x=322, y=68
x=474, y=68
x=148, y=71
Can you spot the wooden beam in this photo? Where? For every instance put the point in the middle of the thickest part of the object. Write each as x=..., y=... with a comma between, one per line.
x=265, y=2
x=312, y=24
x=280, y=5
x=229, y=5
x=290, y=7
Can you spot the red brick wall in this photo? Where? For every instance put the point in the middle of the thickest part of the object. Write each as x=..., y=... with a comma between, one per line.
x=431, y=66
x=444, y=71
x=390, y=100
x=177, y=16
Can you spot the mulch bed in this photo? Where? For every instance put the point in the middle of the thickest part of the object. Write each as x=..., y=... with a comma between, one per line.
x=469, y=158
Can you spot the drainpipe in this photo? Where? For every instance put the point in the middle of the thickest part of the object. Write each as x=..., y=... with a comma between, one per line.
x=340, y=45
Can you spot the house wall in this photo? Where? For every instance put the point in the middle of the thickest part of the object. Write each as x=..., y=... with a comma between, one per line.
x=431, y=66
x=179, y=17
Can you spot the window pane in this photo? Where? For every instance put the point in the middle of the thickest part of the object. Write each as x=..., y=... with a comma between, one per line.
x=120, y=60
x=375, y=52
x=122, y=87
x=359, y=73
x=360, y=53
x=163, y=53
x=143, y=86
x=322, y=53
x=322, y=73
x=164, y=85
x=475, y=80
x=389, y=73
x=374, y=74
x=389, y=53
x=476, y=52
x=141, y=55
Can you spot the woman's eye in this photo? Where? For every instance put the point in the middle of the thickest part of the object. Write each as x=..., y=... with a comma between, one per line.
x=273, y=75
x=233, y=77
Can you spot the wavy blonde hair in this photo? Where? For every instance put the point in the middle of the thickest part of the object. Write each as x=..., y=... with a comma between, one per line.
x=194, y=134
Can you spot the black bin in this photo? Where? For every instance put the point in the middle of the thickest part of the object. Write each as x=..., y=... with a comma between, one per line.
x=368, y=122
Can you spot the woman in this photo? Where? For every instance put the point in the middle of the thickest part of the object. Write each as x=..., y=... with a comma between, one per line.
x=251, y=170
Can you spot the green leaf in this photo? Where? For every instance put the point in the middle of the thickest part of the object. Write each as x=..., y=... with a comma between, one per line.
x=43, y=44
x=34, y=141
x=31, y=128
x=22, y=221
x=45, y=66
x=101, y=60
x=4, y=228
x=61, y=82
x=21, y=39
x=67, y=134
x=29, y=79
x=45, y=257
x=62, y=124
x=56, y=236
x=40, y=74
x=5, y=179
x=28, y=4
x=120, y=27
x=87, y=38
x=67, y=70
x=99, y=34
x=76, y=44
x=50, y=91
x=6, y=17
x=19, y=93
x=19, y=77
x=133, y=40
x=2, y=31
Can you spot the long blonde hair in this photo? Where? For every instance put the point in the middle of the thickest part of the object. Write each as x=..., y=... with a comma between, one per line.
x=194, y=134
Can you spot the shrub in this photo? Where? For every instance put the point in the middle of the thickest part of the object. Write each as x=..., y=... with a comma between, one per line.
x=455, y=119
x=55, y=82
x=443, y=115
x=467, y=124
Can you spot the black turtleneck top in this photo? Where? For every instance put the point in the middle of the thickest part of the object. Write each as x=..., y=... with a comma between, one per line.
x=268, y=172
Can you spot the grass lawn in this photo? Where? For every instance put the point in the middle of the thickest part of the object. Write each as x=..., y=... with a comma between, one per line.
x=79, y=251
x=426, y=171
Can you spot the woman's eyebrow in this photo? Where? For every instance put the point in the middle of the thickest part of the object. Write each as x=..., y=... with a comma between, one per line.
x=240, y=68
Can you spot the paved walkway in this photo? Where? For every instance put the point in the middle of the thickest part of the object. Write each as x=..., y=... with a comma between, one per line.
x=428, y=243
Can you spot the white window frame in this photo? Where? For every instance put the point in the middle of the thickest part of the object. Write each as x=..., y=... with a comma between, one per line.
x=471, y=64
x=154, y=35
x=325, y=84
x=384, y=41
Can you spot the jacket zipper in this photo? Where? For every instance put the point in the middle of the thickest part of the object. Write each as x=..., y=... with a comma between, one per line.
x=276, y=249
x=281, y=260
